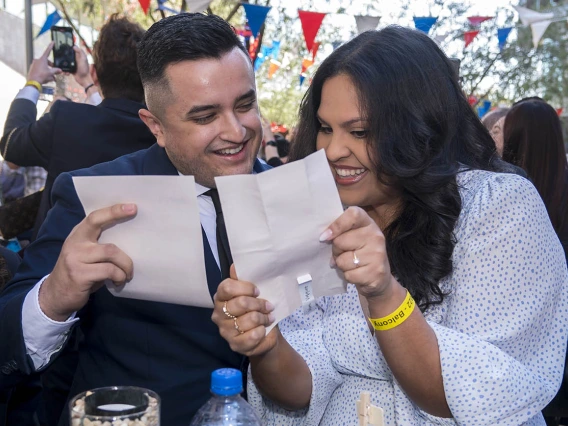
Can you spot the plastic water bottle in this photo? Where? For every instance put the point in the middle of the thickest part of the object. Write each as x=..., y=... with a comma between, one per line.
x=226, y=407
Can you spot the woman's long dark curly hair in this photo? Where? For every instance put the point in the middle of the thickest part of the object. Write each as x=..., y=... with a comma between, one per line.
x=421, y=132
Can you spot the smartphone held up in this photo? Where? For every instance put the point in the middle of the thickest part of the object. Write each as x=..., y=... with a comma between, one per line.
x=63, y=53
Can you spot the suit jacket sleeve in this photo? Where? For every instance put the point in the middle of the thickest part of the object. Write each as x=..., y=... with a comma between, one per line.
x=39, y=260
x=32, y=141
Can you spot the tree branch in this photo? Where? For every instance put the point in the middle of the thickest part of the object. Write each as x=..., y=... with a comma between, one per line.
x=68, y=19
x=472, y=91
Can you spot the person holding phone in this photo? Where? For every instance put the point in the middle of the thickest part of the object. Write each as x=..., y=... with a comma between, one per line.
x=74, y=135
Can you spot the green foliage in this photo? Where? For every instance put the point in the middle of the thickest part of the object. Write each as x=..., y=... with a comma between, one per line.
x=504, y=76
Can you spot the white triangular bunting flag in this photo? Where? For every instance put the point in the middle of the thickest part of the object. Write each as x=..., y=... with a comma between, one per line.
x=529, y=16
x=198, y=6
x=440, y=38
x=538, y=30
x=366, y=23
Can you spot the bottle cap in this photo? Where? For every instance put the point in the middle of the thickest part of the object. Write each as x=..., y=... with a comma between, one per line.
x=226, y=382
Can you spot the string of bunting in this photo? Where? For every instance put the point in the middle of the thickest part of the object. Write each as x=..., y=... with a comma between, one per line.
x=312, y=21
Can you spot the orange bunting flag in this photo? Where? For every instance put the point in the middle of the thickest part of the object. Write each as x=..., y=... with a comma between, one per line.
x=477, y=20
x=315, y=50
x=470, y=36
x=274, y=66
x=306, y=63
x=311, y=23
x=145, y=4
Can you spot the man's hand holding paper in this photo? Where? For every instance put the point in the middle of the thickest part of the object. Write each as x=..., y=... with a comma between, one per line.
x=84, y=264
x=164, y=240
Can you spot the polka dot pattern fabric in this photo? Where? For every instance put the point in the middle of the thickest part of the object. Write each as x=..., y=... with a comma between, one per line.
x=501, y=331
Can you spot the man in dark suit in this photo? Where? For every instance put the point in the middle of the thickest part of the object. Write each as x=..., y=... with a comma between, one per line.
x=72, y=135
x=202, y=109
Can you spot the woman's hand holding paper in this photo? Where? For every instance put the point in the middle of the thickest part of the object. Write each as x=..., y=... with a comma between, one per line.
x=359, y=250
x=242, y=317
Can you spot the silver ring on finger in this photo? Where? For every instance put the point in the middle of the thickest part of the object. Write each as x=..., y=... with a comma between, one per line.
x=226, y=311
x=237, y=326
x=356, y=260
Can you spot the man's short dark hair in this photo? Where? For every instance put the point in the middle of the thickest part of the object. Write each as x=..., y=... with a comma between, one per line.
x=114, y=55
x=183, y=37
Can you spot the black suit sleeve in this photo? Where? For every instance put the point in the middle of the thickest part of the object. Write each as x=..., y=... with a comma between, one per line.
x=39, y=260
x=31, y=141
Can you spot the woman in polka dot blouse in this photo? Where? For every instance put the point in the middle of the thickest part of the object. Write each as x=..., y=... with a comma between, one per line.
x=456, y=264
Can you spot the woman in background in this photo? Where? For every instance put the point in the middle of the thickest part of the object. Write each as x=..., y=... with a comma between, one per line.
x=494, y=121
x=533, y=141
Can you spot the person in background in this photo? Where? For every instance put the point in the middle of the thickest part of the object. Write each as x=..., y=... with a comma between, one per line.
x=72, y=135
x=457, y=307
x=276, y=147
x=493, y=121
x=533, y=141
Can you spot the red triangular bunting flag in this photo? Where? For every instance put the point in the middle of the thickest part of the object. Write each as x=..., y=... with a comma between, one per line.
x=311, y=23
x=559, y=111
x=476, y=20
x=145, y=5
x=469, y=36
x=315, y=50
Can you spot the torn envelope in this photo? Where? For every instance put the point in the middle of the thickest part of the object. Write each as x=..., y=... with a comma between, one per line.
x=274, y=220
x=164, y=240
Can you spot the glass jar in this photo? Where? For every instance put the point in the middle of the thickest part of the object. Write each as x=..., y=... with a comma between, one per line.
x=115, y=406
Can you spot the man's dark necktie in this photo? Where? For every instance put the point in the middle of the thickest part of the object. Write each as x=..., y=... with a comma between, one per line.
x=225, y=258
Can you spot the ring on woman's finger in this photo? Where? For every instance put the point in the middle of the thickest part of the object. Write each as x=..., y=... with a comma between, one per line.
x=226, y=311
x=237, y=326
x=356, y=260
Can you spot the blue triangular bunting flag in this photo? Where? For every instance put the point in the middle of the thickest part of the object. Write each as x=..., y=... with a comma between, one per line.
x=424, y=23
x=256, y=16
x=502, y=34
x=302, y=78
x=483, y=109
x=50, y=21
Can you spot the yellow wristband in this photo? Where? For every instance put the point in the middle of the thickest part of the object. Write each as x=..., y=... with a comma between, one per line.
x=35, y=84
x=400, y=315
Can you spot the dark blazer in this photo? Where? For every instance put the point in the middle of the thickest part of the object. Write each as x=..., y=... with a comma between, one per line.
x=170, y=349
x=72, y=136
